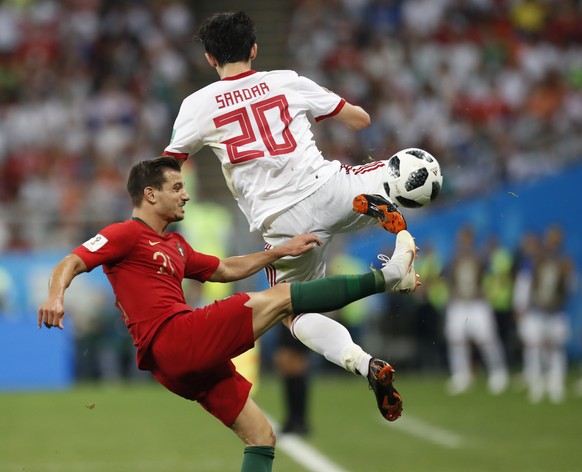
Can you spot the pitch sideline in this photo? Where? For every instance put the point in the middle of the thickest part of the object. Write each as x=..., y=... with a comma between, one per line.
x=304, y=454
x=422, y=430
x=314, y=461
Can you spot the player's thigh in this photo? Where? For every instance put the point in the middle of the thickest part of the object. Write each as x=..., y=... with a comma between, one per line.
x=269, y=307
x=222, y=391
x=350, y=182
x=331, y=206
x=308, y=266
x=198, y=340
x=227, y=398
x=326, y=212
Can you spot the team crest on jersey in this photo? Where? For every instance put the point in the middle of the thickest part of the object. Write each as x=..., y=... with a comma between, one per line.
x=95, y=243
x=181, y=250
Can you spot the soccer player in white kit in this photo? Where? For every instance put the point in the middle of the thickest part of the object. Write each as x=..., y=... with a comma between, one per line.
x=257, y=125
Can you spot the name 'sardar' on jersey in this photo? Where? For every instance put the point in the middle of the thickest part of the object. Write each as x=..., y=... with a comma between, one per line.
x=240, y=95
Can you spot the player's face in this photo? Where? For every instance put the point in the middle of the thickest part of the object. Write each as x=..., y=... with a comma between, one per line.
x=173, y=196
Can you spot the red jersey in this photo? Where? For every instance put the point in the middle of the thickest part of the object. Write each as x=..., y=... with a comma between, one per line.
x=145, y=271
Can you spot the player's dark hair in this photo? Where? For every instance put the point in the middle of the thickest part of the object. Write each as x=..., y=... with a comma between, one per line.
x=149, y=173
x=228, y=36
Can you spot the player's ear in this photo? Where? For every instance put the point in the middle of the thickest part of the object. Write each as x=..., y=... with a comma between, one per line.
x=253, y=54
x=149, y=195
x=211, y=60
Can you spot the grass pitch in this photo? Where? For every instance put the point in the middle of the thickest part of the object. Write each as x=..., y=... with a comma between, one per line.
x=145, y=428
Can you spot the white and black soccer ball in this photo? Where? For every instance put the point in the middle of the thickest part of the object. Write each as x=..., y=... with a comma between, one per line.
x=414, y=178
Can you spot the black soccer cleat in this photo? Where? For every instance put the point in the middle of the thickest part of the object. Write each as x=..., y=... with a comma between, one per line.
x=377, y=206
x=380, y=378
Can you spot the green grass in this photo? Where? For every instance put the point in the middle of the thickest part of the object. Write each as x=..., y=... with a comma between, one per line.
x=145, y=428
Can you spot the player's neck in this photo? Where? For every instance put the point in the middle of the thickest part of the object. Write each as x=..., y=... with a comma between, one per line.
x=233, y=69
x=158, y=225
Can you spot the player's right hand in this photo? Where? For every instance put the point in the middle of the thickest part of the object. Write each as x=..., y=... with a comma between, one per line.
x=300, y=244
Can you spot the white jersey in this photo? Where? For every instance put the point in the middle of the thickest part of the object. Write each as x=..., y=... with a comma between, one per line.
x=257, y=125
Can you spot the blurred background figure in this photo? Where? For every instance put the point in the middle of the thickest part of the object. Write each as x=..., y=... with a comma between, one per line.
x=292, y=362
x=543, y=325
x=498, y=289
x=431, y=298
x=103, y=347
x=529, y=247
x=470, y=320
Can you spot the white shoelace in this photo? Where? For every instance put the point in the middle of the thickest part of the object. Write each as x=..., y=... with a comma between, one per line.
x=384, y=258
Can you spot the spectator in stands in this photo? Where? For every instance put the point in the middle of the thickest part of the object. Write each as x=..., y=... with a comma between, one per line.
x=508, y=62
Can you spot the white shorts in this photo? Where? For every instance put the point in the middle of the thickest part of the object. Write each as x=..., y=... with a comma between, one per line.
x=470, y=320
x=538, y=327
x=326, y=212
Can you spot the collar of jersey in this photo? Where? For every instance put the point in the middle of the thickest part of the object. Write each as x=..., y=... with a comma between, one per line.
x=135, y=218
x=241, y=75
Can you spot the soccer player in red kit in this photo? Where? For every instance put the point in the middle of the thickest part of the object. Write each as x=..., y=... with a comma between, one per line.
x=189, y=351
x=258, y=125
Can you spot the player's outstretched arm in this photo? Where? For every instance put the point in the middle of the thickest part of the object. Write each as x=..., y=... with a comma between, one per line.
x=52, y=311
x=353, y=116
x=235, y=268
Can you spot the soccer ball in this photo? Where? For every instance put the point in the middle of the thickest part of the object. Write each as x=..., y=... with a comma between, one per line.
x=414, y=178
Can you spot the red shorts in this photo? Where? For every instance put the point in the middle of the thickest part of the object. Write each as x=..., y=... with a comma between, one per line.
x=192, y=354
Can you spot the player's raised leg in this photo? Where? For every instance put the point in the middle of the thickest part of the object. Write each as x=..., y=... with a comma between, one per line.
x=333, y=341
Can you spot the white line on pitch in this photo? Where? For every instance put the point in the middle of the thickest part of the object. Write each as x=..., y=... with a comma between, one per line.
x=430, y=433
x=304, y=454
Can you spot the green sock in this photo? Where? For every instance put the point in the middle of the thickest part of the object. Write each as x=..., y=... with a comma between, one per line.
x=258, y=459
x=334, y=292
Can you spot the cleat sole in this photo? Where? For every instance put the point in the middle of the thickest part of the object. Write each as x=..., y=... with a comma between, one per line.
x=376, y=206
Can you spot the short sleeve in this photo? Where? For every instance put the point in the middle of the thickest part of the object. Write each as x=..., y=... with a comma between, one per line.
x=111, y=244
x=322, y=103
x=199, y=266
x=185, y=140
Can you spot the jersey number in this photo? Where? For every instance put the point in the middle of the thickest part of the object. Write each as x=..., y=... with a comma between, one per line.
x=166, y=266
x=282, y=144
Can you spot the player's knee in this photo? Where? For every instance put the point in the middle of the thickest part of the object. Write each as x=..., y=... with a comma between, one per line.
x=288, y=320
x=263, y=437
x=279, y=300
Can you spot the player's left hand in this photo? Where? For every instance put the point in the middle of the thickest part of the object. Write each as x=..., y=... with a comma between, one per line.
x=51, y=313
x=300, y=244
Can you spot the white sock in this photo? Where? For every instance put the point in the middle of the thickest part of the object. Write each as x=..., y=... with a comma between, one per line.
x=332, y=340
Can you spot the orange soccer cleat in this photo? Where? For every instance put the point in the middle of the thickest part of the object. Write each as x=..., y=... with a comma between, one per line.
x=380, y=378
x=377, y=206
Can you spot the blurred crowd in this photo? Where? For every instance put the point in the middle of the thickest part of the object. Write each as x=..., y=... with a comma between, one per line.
x=87, y=87
x=493, y=88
